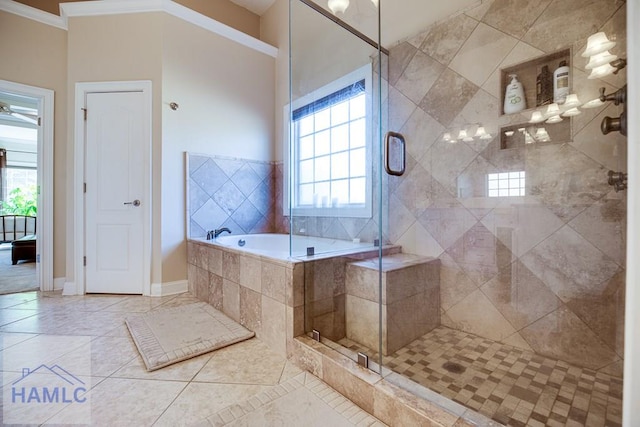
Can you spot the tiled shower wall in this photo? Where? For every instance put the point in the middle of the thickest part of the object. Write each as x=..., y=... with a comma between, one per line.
x=234, y=193
x=543, y=272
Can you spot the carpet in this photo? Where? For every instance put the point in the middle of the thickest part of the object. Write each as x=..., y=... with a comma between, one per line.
x=169, y=335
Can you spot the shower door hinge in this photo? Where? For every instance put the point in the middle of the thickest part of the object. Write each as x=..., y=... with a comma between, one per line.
x=39, y=121
x=84, y=261
x=84, y=111
x=363, y=360
x=84, y=187
x=315, y=335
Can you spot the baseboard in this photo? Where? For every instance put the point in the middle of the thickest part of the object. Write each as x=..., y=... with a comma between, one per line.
x=169, y=288
x=69, y=288
x=59, y=283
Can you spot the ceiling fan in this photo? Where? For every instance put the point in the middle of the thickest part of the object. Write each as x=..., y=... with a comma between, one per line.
x=6, y=110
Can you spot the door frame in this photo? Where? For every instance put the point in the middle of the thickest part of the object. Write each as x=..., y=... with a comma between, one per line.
x=44, y=217
x=81, y=92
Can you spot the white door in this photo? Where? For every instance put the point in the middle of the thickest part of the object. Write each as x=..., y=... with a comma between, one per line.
x=114, y=175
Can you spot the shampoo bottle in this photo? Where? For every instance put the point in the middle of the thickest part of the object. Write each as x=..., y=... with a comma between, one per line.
x=561, y=83
x=544, y=87
x=514, y=96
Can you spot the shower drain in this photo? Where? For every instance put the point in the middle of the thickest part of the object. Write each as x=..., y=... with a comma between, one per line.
x=454, y=368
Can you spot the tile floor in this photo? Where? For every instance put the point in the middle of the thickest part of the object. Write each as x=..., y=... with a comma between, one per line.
x=244, y=384
x=512, y=386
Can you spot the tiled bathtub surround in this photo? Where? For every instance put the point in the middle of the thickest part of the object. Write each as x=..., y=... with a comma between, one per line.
x=263, y=294
x=542, y=272
x=234, y=193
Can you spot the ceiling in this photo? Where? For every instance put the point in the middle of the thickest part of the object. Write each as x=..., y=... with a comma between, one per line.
x=400, y=18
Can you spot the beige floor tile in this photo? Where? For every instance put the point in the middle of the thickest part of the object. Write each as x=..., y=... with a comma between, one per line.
x=39, y=350
x=181, y=371
x=10, y=300
x=108, y=354
x=123, y=402
x=248, y=362
x=201, y=400
x=8, y=339
x=13, y=315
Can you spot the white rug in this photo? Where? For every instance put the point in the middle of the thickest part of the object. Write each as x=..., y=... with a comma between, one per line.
x=170, y=335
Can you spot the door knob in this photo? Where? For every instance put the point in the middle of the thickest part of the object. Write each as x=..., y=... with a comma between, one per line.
x=135, y=203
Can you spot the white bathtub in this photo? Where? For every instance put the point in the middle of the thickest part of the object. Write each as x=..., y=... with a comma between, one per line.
x=277, y=245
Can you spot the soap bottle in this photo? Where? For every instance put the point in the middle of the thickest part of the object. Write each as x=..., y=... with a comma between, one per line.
x=514, y=100
x=561, y=83
x=544, y=87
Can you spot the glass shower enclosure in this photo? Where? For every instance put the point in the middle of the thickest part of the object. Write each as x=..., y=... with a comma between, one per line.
x=492, y=270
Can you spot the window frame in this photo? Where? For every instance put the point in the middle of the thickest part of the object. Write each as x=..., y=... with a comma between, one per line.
x=290, y=162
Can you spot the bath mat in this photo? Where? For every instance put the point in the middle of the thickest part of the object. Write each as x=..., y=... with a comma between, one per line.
x=170, y=335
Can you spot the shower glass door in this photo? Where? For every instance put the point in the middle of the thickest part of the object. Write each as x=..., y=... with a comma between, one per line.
x=333, y=169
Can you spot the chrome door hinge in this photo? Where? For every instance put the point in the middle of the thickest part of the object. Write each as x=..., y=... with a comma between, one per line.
x=84, y=189
x=39, y=121
x=84, y=260
x=84, y=110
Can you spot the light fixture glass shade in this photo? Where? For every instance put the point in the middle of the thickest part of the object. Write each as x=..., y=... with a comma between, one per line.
x=480, y=132
x=600, y=59
x=554, y=119
x=602, y=71
x=509, y=133
x=536, y=117
x=572, y=101
x=462, y=134
x=338, y=6
x=552, y=110
x=542, y=135
x=597, y=43
x=571, y=112
x=447, y=137
x=594, y=103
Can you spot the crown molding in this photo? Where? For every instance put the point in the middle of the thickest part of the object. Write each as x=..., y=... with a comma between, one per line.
x=32, y=13
x=118, y=7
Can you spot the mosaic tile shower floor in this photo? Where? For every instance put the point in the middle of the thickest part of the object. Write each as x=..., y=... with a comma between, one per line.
x=512, y=386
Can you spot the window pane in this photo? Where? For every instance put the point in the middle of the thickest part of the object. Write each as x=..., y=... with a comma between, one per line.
x=358, y=134
x=358, y=162
x=305, y=125
x=323, y=119
x=340, y=138
x=340, y=192
x=306, y=147
x=340, y=165
x=358, y=106
x=306, y=171
x=305, y=196
x=493, y=184
x=322, y=194
x=358, y=191
x=340, y=113
x=322, y=168
x=323, y=143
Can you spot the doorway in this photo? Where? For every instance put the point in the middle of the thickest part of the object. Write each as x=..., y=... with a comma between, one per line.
x=26, y=190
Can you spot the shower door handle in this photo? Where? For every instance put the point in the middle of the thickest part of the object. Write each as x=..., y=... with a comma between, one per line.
x=387, y=143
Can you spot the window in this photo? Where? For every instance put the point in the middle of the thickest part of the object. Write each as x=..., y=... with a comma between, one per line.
x=330, y=149
x=506, y=184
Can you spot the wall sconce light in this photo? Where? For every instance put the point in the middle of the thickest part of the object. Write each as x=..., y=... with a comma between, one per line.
x=482, y=133
x=338, y=6
x=601, y=62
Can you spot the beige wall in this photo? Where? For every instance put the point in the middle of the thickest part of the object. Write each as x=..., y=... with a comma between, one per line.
x=228, y=13
x=226, y=95
x=118, y=48
x=36, y=54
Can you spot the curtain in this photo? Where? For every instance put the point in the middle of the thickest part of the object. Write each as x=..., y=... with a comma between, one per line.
x=3, y=174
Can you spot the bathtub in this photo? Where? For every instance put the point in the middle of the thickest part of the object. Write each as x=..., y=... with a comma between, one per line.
x=277, y=245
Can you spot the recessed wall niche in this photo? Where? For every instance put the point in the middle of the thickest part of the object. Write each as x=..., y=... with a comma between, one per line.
x=531, y=76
